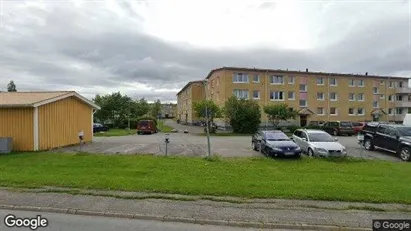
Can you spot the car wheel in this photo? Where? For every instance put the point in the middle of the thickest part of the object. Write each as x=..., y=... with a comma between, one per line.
x=335, y=133
x=310, y=152
x=405, y=154
x=368, y=145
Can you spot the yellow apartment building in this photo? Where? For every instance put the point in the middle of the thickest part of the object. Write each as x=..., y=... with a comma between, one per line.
x=190, y=93
x=317, y=96
x=168, y=110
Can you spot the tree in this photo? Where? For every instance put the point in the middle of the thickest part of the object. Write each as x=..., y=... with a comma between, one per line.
x=279, y=112
x=243, y=115
x=155, y=109
x=11, y=87
x=213, y=111
x=114, y=107
x=140, y=108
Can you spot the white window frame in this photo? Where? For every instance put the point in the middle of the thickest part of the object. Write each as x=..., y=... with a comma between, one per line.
x=353, y=110
x=273, y=93
x=382, y=96
x=259, y=94
x=358, y=98
x=291, y=78
x=375, y=92
x=243, y=75
x=306, y=88
x=333, y=84
x=397, y=111
x=323, y=111
x=362, y=83
x=353, y=98
x=276, y=77
x=242, y=92
x=378, y=104
x=392, y=84
x=306, y=103
x=258, y=80
x=288, y=92
x=323, y=96
x=336, y=96
x=336, y=111
x=392, y=111
x=382, y=82
x=363, y=112
x=320, y=84
x=351, y=81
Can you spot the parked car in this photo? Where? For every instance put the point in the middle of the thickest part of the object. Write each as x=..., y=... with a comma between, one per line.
x=358, y=126
x=146, y=126
x=337, y=128
x=274, y=143
x=97, y=127
x=394, y=138
x=318, y=143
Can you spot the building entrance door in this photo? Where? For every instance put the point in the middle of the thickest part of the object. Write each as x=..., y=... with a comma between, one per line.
x=303, y=120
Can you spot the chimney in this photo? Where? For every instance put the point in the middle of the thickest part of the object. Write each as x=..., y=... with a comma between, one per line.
x=306, y=69
x=366, y=73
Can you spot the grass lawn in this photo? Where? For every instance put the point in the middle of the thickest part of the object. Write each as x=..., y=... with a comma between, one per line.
x=117, y=132
x=163, y=127
x=306, y=178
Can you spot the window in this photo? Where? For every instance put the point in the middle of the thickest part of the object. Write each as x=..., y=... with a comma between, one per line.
x=256, y=78
x=333, y=96
x=360, y=111
x=360, y=96
x=333, y=111
x=360, y=83
x=320, y=81
x=276, y=79
x=375, y=90
x=303, y=87
x=291, y=95
x=240, y=94
x=392, y=84
x=303, y=103
x=320, y=111
x=240, y=78
x=382, y=96
x=398, y=111
x=382, y=82
x=400, y=84
x=351, y=111
x=351, y=83
x=398, y=98
x=276, y=95
x=291, y=79
x=351, y=97
x=256, y=94
x=375, y=104
x=333, y=82
x=390, y=111
x=320, y=96
x=390, y=98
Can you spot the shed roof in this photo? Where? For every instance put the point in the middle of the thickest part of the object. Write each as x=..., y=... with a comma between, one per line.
x=35, y=99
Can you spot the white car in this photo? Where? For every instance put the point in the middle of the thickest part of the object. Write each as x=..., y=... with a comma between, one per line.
x=318, y=143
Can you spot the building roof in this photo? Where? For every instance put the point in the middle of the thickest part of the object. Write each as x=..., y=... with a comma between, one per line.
x=36, y=99
x=300, y=72
x=188, y=84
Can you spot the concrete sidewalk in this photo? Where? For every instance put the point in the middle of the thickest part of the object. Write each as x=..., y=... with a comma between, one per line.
x=272, y=213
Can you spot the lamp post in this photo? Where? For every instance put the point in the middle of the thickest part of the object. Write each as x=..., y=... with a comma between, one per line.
x=207, y=120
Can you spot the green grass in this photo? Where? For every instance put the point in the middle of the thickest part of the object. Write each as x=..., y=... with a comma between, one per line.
x=163, y=127
x=307, y=178
x=116, y=132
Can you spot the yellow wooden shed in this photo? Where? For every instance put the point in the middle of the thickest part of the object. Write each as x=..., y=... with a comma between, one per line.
x=45, y=120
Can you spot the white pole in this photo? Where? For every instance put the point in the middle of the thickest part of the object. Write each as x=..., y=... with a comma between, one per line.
x=207, y=122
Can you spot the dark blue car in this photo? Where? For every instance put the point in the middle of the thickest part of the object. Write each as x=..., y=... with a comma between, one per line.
x=275, y=143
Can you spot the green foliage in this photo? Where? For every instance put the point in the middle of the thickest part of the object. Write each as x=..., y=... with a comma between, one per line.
x=11, y=87
x=146, y=117
x=243, y=115
x=279, y=112
x=213, y=109
x=155, y=108
x=292, y=128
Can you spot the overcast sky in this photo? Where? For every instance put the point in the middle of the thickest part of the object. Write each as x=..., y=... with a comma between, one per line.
x=152, y=49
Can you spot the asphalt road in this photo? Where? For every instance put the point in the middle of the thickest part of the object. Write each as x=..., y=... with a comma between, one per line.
x=194, y=145
x=65, y=222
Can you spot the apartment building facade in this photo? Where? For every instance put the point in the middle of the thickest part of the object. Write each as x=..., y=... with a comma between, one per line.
x=168, y=110
x=317, y=96
x=192, y=92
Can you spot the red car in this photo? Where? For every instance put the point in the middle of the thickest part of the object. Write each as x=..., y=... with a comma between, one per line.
x=146, y=126
x=358, y=126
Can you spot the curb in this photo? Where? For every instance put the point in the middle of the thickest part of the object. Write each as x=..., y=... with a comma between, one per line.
x=245, y=224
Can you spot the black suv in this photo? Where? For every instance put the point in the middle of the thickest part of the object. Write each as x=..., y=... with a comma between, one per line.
x=393, y=138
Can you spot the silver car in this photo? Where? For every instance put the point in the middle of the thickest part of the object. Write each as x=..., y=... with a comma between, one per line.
x=318, y=143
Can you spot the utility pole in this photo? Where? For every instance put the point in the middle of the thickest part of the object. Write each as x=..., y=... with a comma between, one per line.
x=207, y=121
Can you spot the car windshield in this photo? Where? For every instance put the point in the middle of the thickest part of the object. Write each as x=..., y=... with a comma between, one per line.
x=405, y=131
x=276, y=136
x=346, y=124
x=320, y=137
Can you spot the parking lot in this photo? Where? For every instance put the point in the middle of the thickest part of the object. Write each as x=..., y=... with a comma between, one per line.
x=195, y=145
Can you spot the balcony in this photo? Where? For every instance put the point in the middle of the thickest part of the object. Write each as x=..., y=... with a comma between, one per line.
x=403, y=103
x=403, y=90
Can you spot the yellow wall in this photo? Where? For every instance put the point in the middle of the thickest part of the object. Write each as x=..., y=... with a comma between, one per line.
x=193, y=93
x=61, y=121
x=18, y=124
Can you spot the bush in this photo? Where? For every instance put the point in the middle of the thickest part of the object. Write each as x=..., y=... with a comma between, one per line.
x=244, y=115
x=146, y=118
x=314, y=127
x=292, y=128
